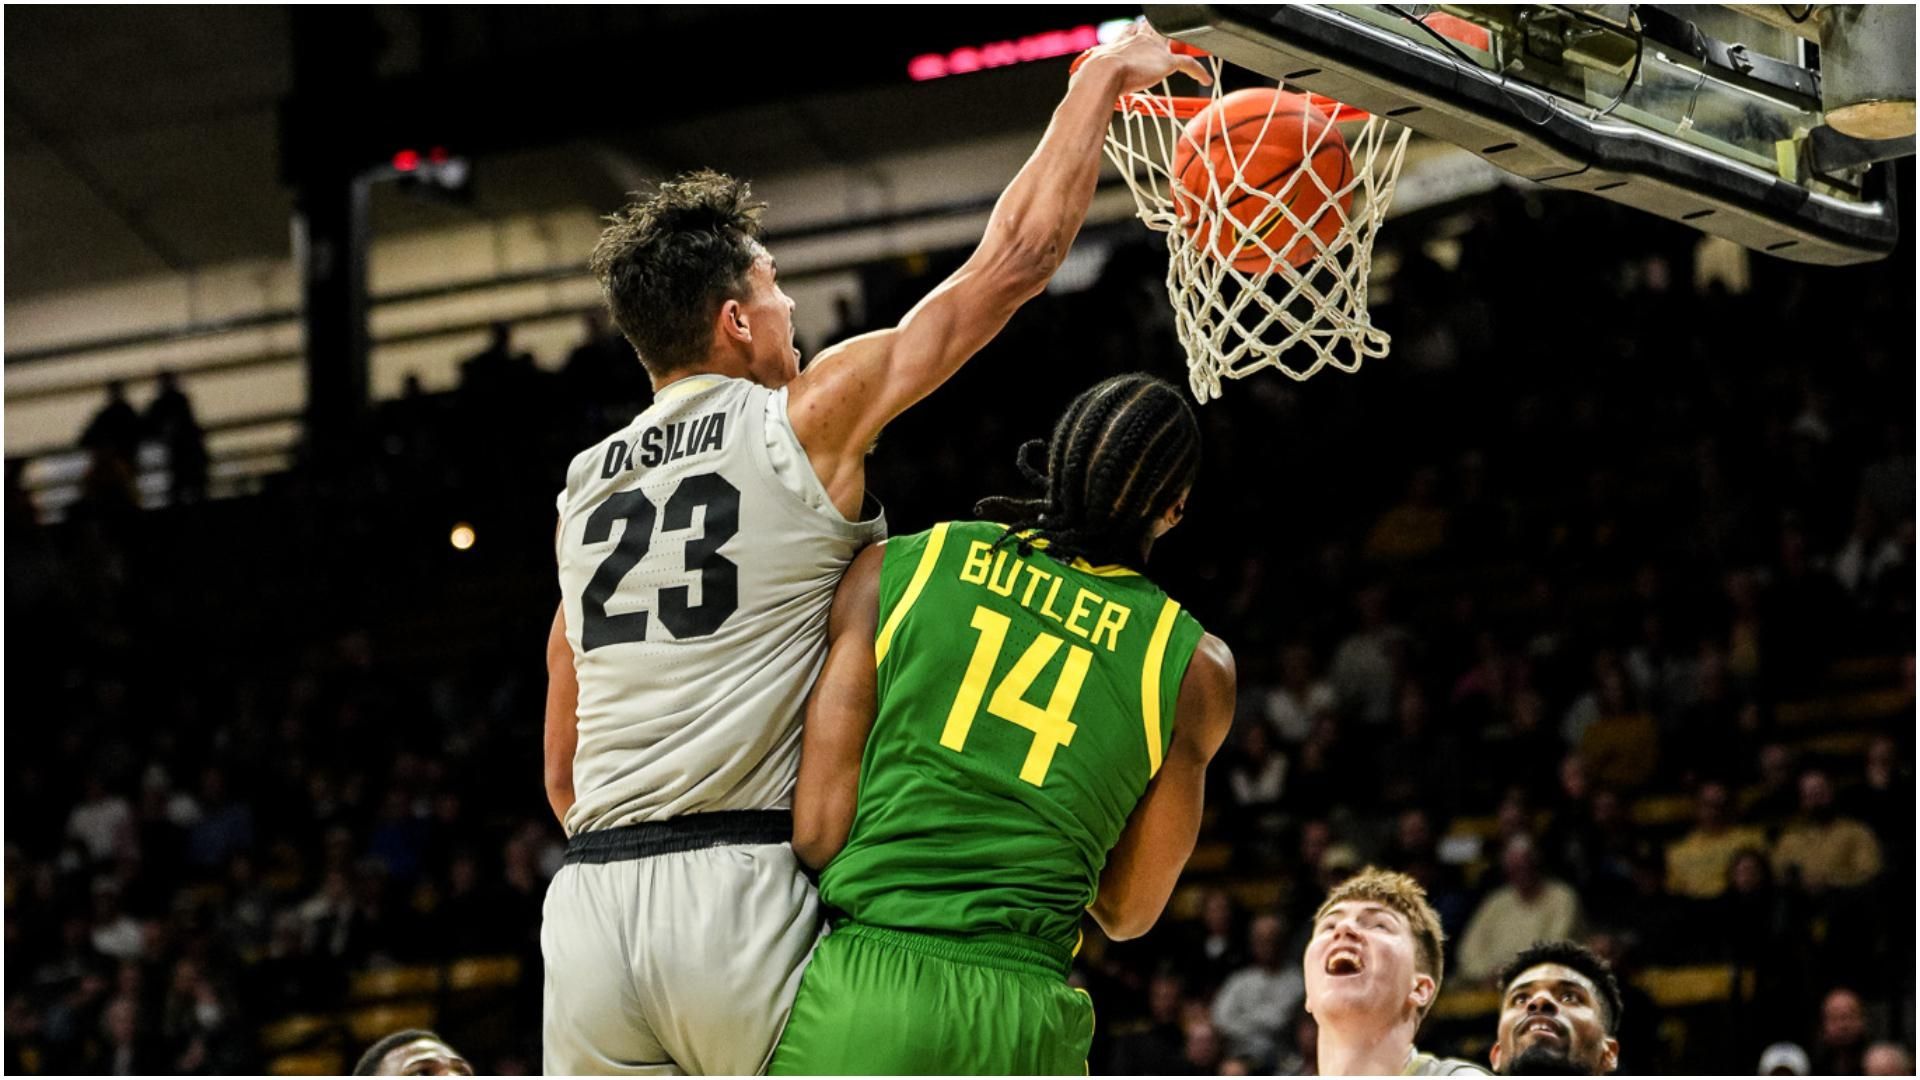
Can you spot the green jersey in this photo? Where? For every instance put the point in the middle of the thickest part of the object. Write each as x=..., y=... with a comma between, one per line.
x=1023, y=706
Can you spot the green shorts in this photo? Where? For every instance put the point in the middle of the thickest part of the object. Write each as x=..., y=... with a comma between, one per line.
x=876, y=1001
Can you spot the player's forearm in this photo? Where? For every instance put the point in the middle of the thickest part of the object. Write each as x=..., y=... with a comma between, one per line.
x=562, y=735
x=1037, y=217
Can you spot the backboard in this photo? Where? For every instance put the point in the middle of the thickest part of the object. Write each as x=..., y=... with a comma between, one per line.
x=1766, y=125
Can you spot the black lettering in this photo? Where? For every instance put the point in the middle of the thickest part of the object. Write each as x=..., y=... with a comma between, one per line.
x=650, y=447
x=710, y=439
x=674, y=445
x=617, y=459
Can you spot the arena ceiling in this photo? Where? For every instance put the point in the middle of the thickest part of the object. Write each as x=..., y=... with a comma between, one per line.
x=147, y=139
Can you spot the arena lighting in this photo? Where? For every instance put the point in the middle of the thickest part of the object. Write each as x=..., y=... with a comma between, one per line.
x=461, y=537
x=1042, y=46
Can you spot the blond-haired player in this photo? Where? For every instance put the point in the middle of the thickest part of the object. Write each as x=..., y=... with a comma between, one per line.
x=1373, y=969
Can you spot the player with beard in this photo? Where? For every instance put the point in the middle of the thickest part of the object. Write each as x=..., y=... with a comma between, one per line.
x=1559, y=1010
x=1373, y=969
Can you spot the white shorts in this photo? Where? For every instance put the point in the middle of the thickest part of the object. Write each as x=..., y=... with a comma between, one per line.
x=682, y=963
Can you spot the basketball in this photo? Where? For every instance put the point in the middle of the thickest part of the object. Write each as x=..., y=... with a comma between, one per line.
x=1246, y=149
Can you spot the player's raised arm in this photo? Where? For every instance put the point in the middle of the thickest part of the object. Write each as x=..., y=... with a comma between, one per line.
x=1144, y=866
x=843, y=399
x=563, y=717
x=840, y=712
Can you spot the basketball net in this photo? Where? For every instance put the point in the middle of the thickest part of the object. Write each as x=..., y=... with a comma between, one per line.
x=1234, y=322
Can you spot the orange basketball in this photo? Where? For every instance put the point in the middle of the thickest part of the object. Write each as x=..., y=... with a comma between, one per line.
x=1263, y=135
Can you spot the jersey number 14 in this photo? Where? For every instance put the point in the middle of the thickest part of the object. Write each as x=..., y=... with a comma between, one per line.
x=1051, y=726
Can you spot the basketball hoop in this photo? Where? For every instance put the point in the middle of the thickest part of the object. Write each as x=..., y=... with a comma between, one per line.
x=1241, y=305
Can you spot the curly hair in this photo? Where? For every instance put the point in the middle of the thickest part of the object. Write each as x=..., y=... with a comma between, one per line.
x=1120, y=455
x=669, y=259
x=1404, y=895
x=1578, y=958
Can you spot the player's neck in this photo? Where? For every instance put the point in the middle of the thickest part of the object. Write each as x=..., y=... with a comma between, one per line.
x=1361, y=1048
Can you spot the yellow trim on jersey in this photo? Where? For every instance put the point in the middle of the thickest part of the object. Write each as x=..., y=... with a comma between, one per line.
x=1110, y=570
x=691, y=384
x=928, y=557
x=1150, y=682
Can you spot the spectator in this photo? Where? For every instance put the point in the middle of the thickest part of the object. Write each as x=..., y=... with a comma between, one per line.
x=1697, y=863
x=1777, y=794
x=1618, y=740
x=1366, y=667
x=1203, y=1049
x=1784, y=1059
x=1528, y=908
x=225, y=827
x=1822, y=850
x=1416, y=527
x=115, y=429
x=1256, y=1003
x=102, y=822
x=1840, y=1049
x=1259, y=774
x=1301, y=1057
x=1887, y=1059
x=1157, y=1047
x=170, y=421
x=1300, y=696
x=1216, y=952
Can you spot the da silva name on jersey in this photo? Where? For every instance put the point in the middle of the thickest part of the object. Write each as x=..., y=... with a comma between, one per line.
x=670, y=442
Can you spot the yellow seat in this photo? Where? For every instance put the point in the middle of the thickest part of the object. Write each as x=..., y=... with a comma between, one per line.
x=370, y=1024
x=1208, y=858
x=1663, y=810
x=483, y=973
x=1704, y=984
x=1186, y=902
x=1466, y=1003
x=1256, y=895
x=380, y=984
x=1840, y=744
x=295, y=1030
x=313, y=1063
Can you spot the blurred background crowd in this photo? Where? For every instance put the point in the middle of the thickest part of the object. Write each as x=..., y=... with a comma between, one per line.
x=1590, y=606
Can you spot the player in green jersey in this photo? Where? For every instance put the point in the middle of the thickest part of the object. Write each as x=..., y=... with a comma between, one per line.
x=1012, y=727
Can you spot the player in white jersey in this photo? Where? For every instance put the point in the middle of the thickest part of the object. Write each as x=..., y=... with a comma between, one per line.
x=699, y=549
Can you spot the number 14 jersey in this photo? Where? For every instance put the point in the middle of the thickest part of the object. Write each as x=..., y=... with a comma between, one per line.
x=1023, y=706
x=698, y=558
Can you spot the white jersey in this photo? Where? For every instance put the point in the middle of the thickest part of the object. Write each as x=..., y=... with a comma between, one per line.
x=698, y=555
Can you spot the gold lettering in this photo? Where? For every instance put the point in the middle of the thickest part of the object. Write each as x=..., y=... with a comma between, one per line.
x=1046, y=606
x=1083, y=602
x=974, y=570
x=1112, y=618
x=1034, y=577
x=993, y=579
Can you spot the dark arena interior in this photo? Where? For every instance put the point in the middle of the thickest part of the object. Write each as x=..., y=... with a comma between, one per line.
x=1593, y=600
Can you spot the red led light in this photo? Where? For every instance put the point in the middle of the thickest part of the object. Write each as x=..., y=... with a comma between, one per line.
x=1003, y=53
x=406, y=160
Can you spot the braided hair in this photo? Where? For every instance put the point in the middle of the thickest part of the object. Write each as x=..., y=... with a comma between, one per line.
x=1120, y=455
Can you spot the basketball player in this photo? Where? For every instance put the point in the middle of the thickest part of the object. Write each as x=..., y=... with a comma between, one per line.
x=1373, y=968
x=1559, y=1011
x=698, y=550
x=1026, y=721
x=414, y=1052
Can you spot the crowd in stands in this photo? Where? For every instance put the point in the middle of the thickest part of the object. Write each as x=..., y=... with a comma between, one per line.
x=1590, y=607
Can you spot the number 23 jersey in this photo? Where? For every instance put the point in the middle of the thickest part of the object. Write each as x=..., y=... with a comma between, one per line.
x=1023, y=707
x=698, y=558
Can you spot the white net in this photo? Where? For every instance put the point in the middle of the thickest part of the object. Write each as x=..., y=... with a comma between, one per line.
x=1259, y=278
